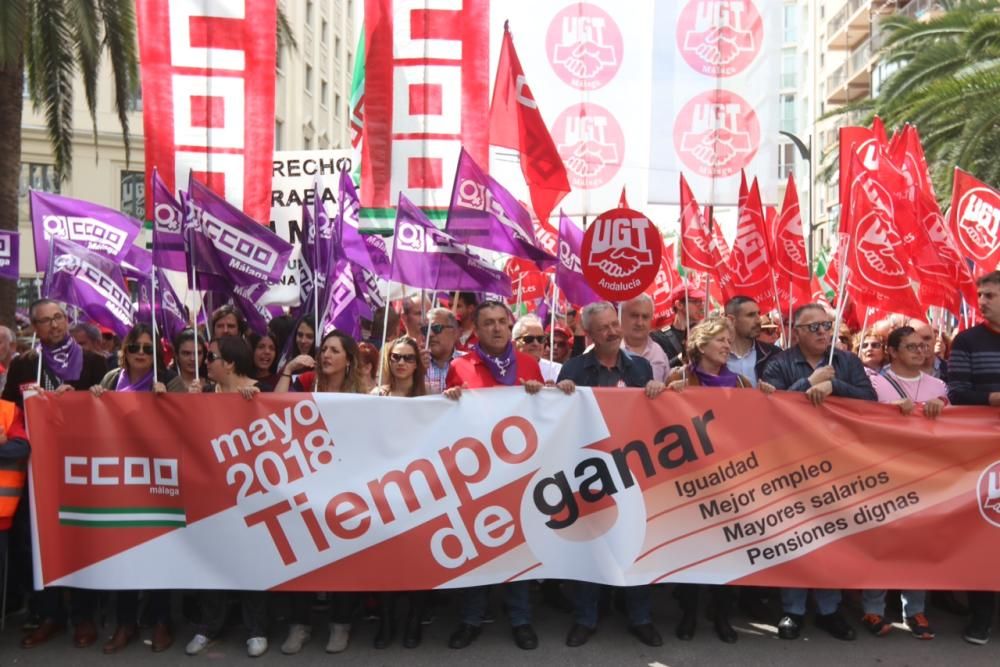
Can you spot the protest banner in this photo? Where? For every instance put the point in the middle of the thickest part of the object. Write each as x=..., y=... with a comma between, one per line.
x=322, y=492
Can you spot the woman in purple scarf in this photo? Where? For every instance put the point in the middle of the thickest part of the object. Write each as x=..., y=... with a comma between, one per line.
x=708, y=348
x=136, y=359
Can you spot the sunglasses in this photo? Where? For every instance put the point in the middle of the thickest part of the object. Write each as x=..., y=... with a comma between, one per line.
x=528, y=340
x=402, y=358
x=135, y=348
x=435, y=328
x=212, y=356
x=871, y=345
x=814, y=327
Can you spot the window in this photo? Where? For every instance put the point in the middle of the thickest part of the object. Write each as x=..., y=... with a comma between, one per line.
x=34, y=177
x=134, y=101
x=309, y=13
x=278, y=143
x=133, y=194
x=786, y=107
x=336, y=105
x=786, y=160
x=789, y=69
x=279, y=59
x=324, y=92
x=791, y=23
x=309, y=79
x=322, y=32
x=336, y=47
x=307, y=143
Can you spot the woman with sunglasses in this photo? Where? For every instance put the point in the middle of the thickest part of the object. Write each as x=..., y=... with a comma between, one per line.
x=184, y=360
x=230, y=369
x=337, y=370
x=265, y=358
x=708, y=347
x=403, y=369
x=871, y=350
x=135, y=373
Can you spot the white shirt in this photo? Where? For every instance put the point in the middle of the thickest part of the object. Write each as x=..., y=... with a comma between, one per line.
x=550, y=369
x=656, y=357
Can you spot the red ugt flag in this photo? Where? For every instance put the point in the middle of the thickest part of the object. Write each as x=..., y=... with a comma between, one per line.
x=789, y=256
x=749, y=267
x=516, y=123
x=975, y=220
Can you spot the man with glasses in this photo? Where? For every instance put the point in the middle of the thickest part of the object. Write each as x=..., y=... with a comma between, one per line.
x=443, y=332
x=530, y=338
x=562, y=349
x=806, y=367
x=65, y=366
x=637, y=321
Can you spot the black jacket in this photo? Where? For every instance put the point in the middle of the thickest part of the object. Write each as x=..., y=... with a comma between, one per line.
x=765, y=352
x=789, y=370
x=585, y=370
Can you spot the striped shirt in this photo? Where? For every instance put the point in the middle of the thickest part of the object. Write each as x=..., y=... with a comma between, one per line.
x=974, y=366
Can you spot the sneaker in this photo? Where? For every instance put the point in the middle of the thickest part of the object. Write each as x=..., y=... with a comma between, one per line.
x=256, y=646
x=876, y=625
x=977, y=633
x=835, y=625
x=197, y=644
x=340, y=634
x=298, y=635
x=919, y=626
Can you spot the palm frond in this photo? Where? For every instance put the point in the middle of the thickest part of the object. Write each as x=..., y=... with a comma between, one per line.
x=120, y=40
x=85, y=20
x=13, y=27
x=51, y=69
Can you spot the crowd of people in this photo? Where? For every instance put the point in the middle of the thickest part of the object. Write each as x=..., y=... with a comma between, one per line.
x=474, y=345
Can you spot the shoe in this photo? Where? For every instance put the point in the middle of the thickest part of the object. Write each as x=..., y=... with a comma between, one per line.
x=579, y=634
x=836, y=626
x=84, y=634
x=256, y=646
x=298, y=635
x=162, y=637
x=413, y=632
x=790, y=626
x=525, y=637
x=488, y=617
x=647, y=634
x=686, y=627
x=876, y=625
x=946, y=601
x=386, y=631
x=43, y=633
x=197, y=644
x=340, y=635
x=123, y=635
x=463, y=636
x=977, y=633
x=724, y=630
x=919, y=626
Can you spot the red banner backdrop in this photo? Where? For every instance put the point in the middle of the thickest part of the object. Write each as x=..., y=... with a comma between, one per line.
x=208, y=75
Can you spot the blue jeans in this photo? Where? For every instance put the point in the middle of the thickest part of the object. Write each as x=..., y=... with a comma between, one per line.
x=793, y=600
x=517, y=597
x=586, y=596
x=873, y=602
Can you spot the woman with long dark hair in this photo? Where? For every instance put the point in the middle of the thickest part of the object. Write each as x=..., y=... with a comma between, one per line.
x=265, y=357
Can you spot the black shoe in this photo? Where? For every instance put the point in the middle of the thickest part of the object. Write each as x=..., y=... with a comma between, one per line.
x=977, y=633
x=464, y=635
x=686, y=627
x=790, y=626
x=578, y=635
x=386, y=631
x=525, y=637
x=723, y=630
x=413, y=632
x=835, y=626
x=647, y=634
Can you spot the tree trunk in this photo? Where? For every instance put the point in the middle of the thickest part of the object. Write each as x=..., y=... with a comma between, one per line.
x=11, y=106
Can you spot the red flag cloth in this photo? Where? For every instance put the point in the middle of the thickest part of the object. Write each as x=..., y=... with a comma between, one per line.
x=876, y=260
x=663, y=285
x=516, y=123
x=975, y=220
x=741, y=200
x=622, y=200
x=748, y=267
x=789, y=256
x=696, y=241
x=855, y=141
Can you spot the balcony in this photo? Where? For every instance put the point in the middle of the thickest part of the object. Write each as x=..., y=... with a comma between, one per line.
x=921, y=10
x=849, y=26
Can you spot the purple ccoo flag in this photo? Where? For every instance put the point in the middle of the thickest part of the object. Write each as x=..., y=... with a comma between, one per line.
x=91, y=282
x=94, y=227
x=483, y=214
x=171, y=315
x=425, y=257
x=349, y=241
x=168, y=228
x=344, y=308
x=378, y=251
x=569, y=271
x=9, y=255
x=247, y=300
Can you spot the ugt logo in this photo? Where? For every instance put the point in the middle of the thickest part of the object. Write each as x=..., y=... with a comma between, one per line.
x=584, y=46
x=720, y=37
x=988, y=493
x=619, y=247
x=591, y=144
x=979, y=222
x=717, y=133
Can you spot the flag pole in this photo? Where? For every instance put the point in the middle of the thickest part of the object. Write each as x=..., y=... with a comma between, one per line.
x=195, y=310
x=788, y=341
x=385, y=328
x=552, y=320
x=156, y=339
x=840, y=306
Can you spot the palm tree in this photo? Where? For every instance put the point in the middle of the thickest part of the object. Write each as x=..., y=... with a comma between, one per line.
x=947, y=84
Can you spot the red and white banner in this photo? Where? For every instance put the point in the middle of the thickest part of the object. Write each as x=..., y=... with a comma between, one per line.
x=975, y=220
x=322, y=492
x=716, y=69
x=208, y=72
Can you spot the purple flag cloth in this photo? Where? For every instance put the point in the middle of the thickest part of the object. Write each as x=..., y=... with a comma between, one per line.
x=9, y=255
x=249, y=252
x=168, y=228
x=569, y=271
x=138, y=263
x=378, y=251
x=367, y=287
x=65, y=360
x=91, y=282
x=350, y=242
x=257, y=316
x=171, y=315
x=425, y=257
x=503, y=368
x=145, y=383
x=483, y=214
x=344, y=309
x=201, y=257
x=307, y=259
x=94, y=227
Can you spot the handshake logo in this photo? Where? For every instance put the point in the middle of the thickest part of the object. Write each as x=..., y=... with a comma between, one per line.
x=619, y=248
x=719, y=38
x=584, y=46
x=979, y=222
x=591, y=144
x=717, y=133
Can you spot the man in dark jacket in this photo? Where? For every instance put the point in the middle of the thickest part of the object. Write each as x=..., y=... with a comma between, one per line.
x=689, y=310
x=805, y=367
x=748, y=355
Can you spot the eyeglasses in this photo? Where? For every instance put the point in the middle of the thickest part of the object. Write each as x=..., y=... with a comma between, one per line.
x=46, y=321
x=402, y=358
x=212, y=356
x=871, y=345
x=135, y=348
x=435, y=328
x=915, y=347
x=528, y=340
x=814, y=327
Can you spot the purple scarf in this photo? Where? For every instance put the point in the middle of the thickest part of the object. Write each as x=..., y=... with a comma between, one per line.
x=145, y=383
x=725, y=378
x=64, y=360
x=503, y=368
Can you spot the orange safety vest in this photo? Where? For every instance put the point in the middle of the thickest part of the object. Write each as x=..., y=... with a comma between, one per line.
x=12, y=472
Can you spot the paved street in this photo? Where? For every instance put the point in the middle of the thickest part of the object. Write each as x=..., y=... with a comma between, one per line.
x=610, y=646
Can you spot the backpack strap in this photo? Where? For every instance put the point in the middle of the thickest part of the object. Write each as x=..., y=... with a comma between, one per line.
x=895, y=384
